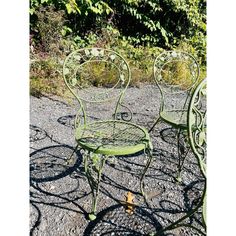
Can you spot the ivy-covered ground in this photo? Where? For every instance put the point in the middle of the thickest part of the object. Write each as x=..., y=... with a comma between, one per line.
x=60, y=197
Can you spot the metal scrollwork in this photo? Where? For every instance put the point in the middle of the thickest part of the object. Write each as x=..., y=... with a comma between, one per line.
x=197, y=138
x=93, y=165
x=197, y=124
x=87, y=68
x=176, y=71
x=124, y=115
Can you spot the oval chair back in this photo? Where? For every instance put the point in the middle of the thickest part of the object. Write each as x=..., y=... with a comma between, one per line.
x=176, y=73
x=96, y=76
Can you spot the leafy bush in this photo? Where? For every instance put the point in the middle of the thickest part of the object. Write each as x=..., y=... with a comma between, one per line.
x=137, y=29
x=162, y=23
x=48, y=47
x=45, y=74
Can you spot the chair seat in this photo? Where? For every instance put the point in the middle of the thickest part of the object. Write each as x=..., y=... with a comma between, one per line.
x=112, y=137
x=177, y=118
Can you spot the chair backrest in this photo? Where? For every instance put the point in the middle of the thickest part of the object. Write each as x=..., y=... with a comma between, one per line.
x=96, y=76
x=175, y=73
x=197, y=124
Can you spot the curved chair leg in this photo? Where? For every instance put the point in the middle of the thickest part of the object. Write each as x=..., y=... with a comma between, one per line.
x=148, y=152
x=181, y=155
x=93, y=170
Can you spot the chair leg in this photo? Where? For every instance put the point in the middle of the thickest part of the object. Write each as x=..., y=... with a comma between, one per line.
x=148, y=153
x=181, y=154
x=93, y=170
x=179, y=151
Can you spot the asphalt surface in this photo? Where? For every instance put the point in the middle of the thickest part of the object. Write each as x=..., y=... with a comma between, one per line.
x=60, y=197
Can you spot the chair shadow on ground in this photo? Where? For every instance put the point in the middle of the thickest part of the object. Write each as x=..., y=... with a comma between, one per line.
x=127, y=164
x=169, y=135
x=69, y=120
x=36, y=220
x=189, y=192
x=138, y=118
x=36, y=133
x=115, y=220
x=48, y=165
x=48, y=168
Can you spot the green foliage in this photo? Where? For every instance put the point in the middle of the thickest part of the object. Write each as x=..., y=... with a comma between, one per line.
x=45, y=76
x=140, y=60
x=81, y=7
x=162, y=23
x=138, y=29
x=49, y=29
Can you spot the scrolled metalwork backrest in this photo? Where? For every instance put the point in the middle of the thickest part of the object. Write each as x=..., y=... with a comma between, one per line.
x=175, y=73
x=96, y=75
x=197, y=124
x=91, y=67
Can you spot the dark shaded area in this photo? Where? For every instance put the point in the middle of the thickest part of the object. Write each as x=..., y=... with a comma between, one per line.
x=37, y=220
x=36, y=133
x=115, y=221
x=50, y=163
x=169, y=135
x=67, y=120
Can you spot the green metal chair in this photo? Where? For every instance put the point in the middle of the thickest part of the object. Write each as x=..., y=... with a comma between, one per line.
x=85, y=71
x=176, y=74
x=197, y=129
x=196, y=124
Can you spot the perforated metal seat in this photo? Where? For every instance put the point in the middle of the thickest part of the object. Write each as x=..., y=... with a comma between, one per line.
x=113, y=137
x=175, y=118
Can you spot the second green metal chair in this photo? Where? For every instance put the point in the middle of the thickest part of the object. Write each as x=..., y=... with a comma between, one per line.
x=176, y=75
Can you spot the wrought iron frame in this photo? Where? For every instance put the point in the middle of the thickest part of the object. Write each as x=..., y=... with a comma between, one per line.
x=197, y=133
x=171, y=88
x=196, y=122
x=94, y=159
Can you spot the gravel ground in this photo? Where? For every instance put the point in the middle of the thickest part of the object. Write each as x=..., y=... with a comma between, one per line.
x=60, y=197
